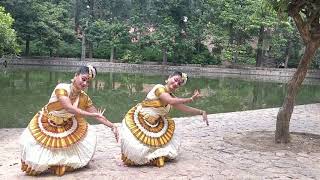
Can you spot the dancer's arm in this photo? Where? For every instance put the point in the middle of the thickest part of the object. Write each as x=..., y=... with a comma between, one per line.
x=102, y=119
x=105, y=121
x=192, y=110
x=188, y=109
x=67, y=105
x=167, y=98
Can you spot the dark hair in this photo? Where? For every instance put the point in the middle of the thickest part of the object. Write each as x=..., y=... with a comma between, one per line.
x=85, y=70
x=176, y=73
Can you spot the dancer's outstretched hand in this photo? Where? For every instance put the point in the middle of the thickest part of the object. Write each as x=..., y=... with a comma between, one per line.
x=116, y=133
x=196, y=94
x=97, y=115
x=205, y=117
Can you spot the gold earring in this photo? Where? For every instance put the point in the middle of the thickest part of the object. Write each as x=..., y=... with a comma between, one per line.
x=166, y=81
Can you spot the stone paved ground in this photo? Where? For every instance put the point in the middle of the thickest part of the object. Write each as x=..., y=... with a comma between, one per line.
x=237, y=145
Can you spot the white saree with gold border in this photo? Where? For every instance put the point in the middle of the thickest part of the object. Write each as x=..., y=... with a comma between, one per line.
x=55, y=137
x=147, y=132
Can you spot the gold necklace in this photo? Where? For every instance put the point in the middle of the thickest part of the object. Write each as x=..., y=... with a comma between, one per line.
x=74, y=92
x=167, y=89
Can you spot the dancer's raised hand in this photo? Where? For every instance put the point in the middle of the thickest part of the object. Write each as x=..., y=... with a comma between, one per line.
x=205, y=117
x=196, y=94
x=115, y=131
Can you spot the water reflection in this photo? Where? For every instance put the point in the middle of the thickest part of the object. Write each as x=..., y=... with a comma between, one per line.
x=25, y=92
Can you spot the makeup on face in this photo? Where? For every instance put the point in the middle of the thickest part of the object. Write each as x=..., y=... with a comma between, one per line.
x=178, y=80
x=174, y=82
x=82, y=81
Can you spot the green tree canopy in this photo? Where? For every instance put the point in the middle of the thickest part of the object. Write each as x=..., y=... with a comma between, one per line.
x=8, y=43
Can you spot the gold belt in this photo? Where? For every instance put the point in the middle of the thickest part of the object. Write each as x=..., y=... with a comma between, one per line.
x=152, y=103
x=58, y=120
x=150, y=119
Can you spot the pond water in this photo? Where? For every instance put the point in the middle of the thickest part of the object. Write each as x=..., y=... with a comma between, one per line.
x=26, y=91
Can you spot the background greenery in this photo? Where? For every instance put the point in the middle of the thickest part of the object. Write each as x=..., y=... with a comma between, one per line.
x=175, y=31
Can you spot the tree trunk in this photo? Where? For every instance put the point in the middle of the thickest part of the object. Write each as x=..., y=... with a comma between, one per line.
x=90, y=49
x=90, y=43
x=259, y=57
x=164, y=56
x=27, y=52
x=83, y=47
x=231, y=33
x=91, y=2
x=50, y=52
x=113, y=49
x=235, y=54
x=283, y=118
x=198, y=45
x=287, y=54
x=76, y=16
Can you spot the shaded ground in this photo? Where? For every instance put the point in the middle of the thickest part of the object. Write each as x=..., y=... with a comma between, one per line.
x=264, y=141
x=236, y=145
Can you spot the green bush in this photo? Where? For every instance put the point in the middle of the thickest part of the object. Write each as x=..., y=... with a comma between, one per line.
x=316, y=61
x=205, y=58
x=151, y=54
x=130, y=56
x=69, y=50
x=102, y=51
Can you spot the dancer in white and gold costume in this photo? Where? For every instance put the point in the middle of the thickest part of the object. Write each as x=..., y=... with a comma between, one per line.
x=147, y=134
x=58, y=138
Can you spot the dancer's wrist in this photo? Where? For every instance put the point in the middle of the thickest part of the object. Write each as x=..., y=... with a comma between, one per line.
x=113, y=127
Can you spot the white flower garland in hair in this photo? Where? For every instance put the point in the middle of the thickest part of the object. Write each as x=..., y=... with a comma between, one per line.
x=92, y=71
x=184, y=77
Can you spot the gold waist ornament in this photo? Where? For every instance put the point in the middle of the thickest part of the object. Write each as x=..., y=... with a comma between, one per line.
x=56, y=120
x=49, y=135
x=152, y=103
x=151, y=119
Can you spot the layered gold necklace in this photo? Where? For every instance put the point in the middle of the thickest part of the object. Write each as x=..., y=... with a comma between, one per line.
x=74, y=93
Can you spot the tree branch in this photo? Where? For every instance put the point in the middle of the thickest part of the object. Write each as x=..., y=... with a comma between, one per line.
x=302, y=27
x=313, y=18
x=316, y=38
x=295, y=7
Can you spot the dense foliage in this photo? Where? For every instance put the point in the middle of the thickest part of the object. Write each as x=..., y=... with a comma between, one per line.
x=8, y=43
x=175, y=31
